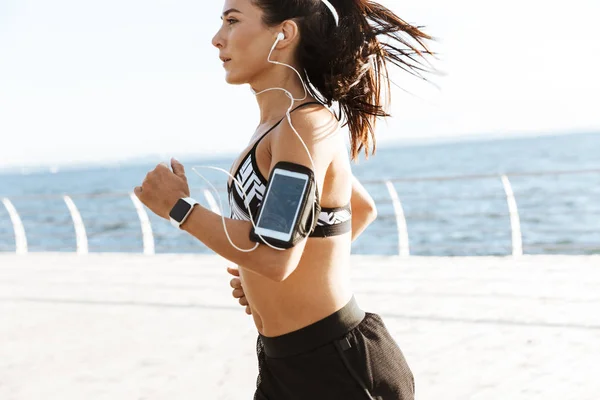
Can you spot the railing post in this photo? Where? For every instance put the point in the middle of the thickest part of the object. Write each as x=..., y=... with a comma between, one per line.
x=211, y=202
x=147, y=236
x=20, y=238
x=403, y=245
x=80, y=234
x=515, y=222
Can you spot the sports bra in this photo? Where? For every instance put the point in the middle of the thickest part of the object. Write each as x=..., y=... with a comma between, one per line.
x=332, y=221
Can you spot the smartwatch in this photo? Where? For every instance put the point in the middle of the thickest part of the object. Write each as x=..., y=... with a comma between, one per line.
x=181, y=210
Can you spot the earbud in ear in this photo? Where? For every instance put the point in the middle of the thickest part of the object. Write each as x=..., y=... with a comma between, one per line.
x=280, y=36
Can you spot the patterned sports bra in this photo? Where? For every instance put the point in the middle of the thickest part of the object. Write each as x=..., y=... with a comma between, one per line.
x=332, y=221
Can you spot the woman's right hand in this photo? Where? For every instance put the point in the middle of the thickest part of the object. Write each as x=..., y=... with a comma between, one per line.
x=238, y=290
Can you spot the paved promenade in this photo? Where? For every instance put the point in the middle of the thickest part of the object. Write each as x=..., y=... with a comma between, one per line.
x=165, y=327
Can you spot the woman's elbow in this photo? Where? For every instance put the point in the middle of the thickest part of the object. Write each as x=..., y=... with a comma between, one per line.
x=367, y=212
x=279, y=268
x=280, y=273
x=372, y=212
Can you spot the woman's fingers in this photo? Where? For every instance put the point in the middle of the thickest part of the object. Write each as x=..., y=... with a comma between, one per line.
x=235, y=283
x=238, y=290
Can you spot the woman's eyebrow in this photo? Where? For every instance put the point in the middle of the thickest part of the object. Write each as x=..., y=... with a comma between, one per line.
x=231, y=10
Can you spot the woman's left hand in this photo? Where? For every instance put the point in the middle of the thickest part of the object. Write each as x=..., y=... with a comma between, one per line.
x=162, y=187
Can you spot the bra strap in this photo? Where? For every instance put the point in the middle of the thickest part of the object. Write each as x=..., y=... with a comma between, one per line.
x=281, y=120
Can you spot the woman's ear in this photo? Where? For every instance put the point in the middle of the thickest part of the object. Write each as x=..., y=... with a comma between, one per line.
x=290, y=32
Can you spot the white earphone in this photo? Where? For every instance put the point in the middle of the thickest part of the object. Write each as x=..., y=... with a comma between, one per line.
x=280, y=36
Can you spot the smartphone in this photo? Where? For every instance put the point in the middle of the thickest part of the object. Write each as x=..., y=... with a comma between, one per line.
x=280, y=209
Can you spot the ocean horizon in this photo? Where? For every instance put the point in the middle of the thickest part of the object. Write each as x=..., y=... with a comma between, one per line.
x=212, y=155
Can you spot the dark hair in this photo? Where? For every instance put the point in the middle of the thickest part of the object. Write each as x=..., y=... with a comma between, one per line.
x=346, y=63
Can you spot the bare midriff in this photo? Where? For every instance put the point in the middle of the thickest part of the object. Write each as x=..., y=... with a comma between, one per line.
x=318, y=287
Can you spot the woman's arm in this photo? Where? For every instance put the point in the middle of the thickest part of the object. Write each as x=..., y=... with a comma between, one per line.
x=364, y=210
x=277, y=265
x=207, y=227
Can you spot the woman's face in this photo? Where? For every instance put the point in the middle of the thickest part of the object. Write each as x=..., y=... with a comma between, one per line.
x=243, y=41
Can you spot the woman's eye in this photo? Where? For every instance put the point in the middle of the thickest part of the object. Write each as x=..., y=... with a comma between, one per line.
x=231, y=21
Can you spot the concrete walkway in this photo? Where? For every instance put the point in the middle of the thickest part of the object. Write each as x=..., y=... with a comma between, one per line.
x=133, y=327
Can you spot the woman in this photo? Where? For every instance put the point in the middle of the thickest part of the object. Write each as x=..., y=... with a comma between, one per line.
x=314, y=341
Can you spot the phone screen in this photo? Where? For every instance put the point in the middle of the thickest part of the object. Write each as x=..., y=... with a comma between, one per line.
x=279, y=211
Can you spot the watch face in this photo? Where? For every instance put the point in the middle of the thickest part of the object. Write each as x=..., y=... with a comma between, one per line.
x=180, y=210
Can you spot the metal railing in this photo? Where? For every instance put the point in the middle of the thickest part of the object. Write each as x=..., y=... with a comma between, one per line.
x=426, y=232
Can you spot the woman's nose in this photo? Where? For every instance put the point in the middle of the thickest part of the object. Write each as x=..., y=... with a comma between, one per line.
x=217, y=40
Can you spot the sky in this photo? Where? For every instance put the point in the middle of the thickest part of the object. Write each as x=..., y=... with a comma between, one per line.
x=118, y=79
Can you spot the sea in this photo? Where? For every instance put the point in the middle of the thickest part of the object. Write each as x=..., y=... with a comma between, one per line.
x=452, y=200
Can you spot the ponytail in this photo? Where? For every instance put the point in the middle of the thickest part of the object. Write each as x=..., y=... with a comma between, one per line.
x=346, y=63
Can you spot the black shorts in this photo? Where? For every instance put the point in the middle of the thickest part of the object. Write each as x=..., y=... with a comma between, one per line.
x=349, y=355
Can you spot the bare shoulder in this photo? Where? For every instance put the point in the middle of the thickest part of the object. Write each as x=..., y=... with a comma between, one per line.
x=319, y=130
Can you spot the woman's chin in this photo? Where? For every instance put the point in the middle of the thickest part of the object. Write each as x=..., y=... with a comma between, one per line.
x=234, y=79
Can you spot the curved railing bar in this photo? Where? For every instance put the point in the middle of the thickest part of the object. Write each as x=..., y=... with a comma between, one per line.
x=20, y=237
x=81, y=236
x=515, y=222
x=147, y=236
x=403, y=244
x=212, y=203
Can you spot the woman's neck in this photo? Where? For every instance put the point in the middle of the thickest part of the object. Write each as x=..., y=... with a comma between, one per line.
x=275, y=102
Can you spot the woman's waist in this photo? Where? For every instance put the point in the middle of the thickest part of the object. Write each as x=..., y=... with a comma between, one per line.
x=289, y=305
x=293, y=313
x=334, y=325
